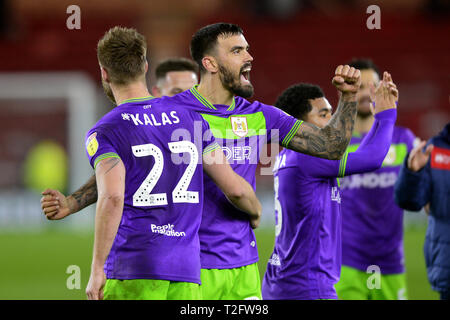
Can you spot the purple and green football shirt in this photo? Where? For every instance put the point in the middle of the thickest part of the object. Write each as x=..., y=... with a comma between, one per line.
x=306, y=260
x=242, y=128
x=373, y=230
x=161, y=146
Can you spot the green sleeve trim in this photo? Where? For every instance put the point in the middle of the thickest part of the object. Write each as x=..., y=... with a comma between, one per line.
x=342, y=165
x=105, y=156
x=291, y=133
x=211, y=148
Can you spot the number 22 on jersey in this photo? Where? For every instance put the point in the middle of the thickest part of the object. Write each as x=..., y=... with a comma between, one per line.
x=143, y=197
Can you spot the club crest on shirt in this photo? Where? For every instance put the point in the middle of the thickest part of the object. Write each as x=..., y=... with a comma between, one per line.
x=239, y=126
x=92, y=144
x=391, y=156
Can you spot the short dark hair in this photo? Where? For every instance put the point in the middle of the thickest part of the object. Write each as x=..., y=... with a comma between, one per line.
x=295, y=99
x=205, y=39
x=364, y=64
x=122, y=52
x=174, y=64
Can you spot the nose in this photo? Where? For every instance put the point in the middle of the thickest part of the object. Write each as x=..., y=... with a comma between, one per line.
x=249, y=57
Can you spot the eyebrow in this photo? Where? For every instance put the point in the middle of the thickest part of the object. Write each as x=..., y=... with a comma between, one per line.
x=325, y=109
x=239, y=47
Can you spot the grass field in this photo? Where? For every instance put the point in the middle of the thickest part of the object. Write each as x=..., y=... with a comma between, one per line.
x=33, y=265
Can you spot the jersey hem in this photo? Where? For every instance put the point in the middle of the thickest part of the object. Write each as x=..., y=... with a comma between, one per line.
x=384, y=270
x=153, y=277
x=306, y=297
x=230, y=266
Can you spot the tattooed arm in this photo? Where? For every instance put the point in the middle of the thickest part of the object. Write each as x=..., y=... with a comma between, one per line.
x=56, y=206
x=331, y=141
x=110, y=177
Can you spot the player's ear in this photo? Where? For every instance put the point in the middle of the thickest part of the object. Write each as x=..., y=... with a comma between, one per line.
x=146, y=65
x=104, y=74
x=210, y=64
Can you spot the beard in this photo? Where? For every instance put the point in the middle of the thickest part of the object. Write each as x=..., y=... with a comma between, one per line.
x=108, y=91
x=233, y=84
x=363, y=110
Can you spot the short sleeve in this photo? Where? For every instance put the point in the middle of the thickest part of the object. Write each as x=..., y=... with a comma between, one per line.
x=99, y=147
x=280, y=126
x=209, y=142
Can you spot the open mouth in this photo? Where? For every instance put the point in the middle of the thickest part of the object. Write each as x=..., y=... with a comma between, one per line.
x=245, y=75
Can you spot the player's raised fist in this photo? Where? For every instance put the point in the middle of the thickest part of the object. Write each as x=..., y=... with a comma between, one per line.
x=347, y=79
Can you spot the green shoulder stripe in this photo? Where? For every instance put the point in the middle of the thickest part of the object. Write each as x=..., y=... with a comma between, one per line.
x=105, y=156
x=291, y=133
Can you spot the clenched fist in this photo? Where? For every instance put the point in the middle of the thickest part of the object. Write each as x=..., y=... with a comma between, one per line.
x=347, y=79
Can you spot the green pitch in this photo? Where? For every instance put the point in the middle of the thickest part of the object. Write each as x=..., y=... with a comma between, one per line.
x=34, y=265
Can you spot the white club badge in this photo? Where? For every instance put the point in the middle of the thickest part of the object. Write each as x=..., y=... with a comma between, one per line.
x=239, y=126
x=391, y=156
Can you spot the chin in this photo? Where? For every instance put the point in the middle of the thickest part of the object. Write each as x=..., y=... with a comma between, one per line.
x=363, y=113
x=245, y=91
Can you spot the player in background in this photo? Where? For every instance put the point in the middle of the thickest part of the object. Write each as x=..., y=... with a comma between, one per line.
x=173, y=76
x=372, y=232
x=424, y=180
x=229, y=253
x=306, y=261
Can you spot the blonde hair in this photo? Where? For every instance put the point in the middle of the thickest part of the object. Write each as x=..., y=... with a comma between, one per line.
x=122, y=52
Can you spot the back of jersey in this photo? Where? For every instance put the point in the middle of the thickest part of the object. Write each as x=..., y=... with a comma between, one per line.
x=161, y=147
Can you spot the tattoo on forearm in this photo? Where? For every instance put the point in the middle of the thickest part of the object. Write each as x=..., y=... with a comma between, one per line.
x=331, y=141
x=86, y=195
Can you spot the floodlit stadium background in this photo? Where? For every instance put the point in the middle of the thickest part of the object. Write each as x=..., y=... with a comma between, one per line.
x=50, y=95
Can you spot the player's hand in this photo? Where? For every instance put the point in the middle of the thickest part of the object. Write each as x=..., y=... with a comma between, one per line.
x=54, y=204
x=385, y=94
x=97, y=280
x=418, y=158
x=347, y=79
x=254, y=221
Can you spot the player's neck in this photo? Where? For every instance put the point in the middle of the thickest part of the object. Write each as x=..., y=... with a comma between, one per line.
x=212, y=89
x=363, y=124
x=131, y=91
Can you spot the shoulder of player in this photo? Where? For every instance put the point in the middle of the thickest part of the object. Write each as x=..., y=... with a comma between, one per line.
x=403, y=134
x=242, y=103
x=105, y=121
